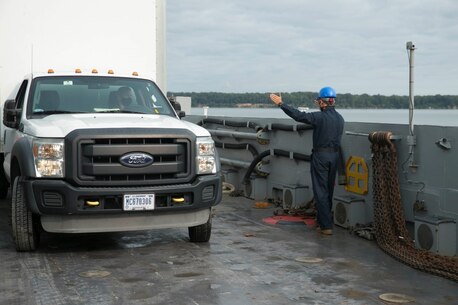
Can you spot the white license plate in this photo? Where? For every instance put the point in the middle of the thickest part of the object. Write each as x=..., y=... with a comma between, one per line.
x=138, y=202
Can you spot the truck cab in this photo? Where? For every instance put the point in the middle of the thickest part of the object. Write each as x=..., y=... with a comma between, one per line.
x=94, y=152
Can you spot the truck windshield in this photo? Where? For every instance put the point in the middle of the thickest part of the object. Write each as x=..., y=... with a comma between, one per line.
x=95, y=94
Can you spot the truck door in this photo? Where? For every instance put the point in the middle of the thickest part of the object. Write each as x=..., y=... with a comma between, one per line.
x=12, y=134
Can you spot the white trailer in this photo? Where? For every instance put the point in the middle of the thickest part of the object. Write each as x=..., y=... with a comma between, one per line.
x=104, y=34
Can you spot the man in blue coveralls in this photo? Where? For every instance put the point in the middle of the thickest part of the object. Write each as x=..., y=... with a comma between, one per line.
x=328, y=127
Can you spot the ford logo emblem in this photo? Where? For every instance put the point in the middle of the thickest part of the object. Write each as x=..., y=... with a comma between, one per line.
x=136, y=159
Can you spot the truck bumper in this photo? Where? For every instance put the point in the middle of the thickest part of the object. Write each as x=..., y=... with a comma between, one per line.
x=123, y=222
x=57, y=197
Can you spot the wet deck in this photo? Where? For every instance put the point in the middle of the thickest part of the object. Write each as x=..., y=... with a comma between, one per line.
x=246, y=262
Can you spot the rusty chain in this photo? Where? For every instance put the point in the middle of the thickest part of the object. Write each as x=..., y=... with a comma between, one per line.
x=389, y=221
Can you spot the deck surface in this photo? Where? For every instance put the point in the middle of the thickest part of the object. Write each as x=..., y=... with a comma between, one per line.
x=247, y=261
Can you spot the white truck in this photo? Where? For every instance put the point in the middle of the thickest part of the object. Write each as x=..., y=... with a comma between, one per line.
x=87, y=145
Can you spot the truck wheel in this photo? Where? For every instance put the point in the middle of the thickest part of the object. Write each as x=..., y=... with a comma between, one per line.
x=4, y=185
x=25, y=225
x=201, y=233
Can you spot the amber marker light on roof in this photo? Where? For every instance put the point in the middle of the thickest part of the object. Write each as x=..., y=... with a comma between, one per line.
x=77, y=70
x=94, y=71
x=134, y=73
x=50, y=71
x=110, y=71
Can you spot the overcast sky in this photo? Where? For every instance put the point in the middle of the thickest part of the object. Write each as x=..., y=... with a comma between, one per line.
x=355, y=46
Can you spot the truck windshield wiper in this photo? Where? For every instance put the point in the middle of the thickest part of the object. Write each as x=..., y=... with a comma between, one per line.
x=121, y=111
x=132, y=111
x=56, y=112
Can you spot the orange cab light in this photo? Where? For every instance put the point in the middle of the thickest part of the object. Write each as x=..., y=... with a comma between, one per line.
x=94, y=71
x=77, y=70
x=110, y=71
x=135, y=73
x=50, y=71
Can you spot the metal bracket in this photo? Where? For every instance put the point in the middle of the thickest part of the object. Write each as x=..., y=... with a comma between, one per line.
x=262, y=137
x=444, y=143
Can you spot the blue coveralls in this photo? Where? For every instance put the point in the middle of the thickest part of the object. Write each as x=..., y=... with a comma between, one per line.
x=327, y=133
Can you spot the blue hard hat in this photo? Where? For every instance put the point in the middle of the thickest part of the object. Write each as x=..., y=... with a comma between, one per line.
x=327, y=92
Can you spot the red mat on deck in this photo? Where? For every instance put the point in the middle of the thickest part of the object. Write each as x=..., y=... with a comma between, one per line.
x=288, y=219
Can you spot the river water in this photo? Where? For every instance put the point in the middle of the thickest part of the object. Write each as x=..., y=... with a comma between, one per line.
x=441, y=117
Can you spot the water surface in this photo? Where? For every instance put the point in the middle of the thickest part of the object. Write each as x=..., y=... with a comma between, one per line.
x=441, y=117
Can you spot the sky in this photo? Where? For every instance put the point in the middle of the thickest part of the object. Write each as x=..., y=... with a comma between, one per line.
x=354, y=46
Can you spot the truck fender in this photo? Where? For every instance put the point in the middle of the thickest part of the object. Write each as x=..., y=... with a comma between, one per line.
x=22, y=153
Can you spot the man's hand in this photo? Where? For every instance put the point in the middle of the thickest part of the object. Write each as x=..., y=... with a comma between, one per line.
x=276, y=99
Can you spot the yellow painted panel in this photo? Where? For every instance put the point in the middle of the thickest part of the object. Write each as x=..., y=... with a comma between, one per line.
x=357, y=175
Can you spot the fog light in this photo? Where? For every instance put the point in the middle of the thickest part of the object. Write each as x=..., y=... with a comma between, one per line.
x=92, y=203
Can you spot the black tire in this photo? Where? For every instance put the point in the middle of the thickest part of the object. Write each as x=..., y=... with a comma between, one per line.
x=201, y=233
x=25, y=225
x=4, y=185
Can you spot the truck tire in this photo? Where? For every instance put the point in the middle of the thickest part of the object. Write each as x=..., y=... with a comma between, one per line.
x=25, y=225
x=4, y=185
x=201, y=233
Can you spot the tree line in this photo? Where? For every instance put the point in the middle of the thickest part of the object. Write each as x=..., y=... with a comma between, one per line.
x=305, y=99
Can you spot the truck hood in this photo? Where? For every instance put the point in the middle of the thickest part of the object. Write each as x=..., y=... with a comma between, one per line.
x=59, y=125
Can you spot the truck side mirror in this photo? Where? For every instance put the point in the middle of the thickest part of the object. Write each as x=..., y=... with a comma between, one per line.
x=11, y=115
x=181, y=114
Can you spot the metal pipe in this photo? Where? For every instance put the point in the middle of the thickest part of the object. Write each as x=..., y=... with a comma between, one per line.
x=411, y=48
x=234, y=134
x=411, y=139
x=360, y=134
x=235, y=163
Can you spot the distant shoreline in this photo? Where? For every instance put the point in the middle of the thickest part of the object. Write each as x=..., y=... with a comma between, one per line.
x=305, y=99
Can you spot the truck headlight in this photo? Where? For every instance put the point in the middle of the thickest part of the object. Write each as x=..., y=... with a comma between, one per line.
x=48, y=155
x=206, y=158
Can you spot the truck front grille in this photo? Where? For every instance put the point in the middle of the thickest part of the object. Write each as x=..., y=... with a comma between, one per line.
x=99, y=160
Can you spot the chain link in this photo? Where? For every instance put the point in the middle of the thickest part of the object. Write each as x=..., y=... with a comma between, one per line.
x=389, y=221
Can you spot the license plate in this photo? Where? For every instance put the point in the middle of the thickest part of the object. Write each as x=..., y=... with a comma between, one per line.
x=138, y=202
